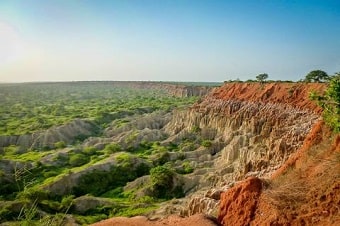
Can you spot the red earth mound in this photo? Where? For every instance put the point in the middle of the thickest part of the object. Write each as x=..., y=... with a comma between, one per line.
x=294, y=94
x=238, y=204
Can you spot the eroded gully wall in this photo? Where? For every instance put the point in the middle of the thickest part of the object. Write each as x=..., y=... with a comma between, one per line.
x=256, y=126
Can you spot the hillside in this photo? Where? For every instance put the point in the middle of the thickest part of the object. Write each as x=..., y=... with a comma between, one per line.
x=243, y=150
x=263, y=130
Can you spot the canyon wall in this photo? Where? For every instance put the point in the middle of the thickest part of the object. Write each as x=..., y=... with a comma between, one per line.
x=47, y=138
x=179, y=90
x=254, y=129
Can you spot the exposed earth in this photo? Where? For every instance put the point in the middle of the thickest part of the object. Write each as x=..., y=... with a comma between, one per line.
x=303, y=188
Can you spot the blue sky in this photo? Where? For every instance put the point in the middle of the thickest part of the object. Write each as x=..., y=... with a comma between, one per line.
x=168, y=40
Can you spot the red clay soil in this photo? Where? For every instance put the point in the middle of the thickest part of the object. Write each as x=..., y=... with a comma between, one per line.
x=294, y=94
x=304, y=191
x=195, y=220
x=308, y=194
x=238, y=204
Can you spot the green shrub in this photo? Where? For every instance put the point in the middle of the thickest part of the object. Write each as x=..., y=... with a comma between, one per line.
x=90, y=150
x=330, y=102
x=187, y=167
x=98, y=182
x=162, y=181
x=60, y=145
x=113, y=147
x=33, y=194
x=66, y=202
x=50, y=174
x=206, y=143
x=78, y=160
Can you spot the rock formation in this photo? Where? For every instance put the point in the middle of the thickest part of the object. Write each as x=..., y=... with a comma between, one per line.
x=174, y=89
x=66, y=133
x=255, y=128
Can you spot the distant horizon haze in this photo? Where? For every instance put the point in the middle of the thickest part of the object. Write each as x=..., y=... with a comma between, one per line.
x=168, y=40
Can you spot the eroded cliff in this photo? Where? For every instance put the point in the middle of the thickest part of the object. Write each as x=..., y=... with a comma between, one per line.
x=254, y=129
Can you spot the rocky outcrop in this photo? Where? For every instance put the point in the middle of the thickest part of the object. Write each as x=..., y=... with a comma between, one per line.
x=257, y=127
x=254, y=128
x=66, y=133
x=179, y=90
x=136, y=129
x=85, y=203
x=65, y=183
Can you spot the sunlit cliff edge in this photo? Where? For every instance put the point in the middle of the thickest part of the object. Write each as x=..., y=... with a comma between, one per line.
x=272, y=162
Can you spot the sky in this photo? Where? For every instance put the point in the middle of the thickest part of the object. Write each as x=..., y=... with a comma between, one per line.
x=167, y=40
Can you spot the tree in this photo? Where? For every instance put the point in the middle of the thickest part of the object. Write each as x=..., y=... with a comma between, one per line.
x=317, y=76
x=162, y=181
x=262, y=77
x=330, y=102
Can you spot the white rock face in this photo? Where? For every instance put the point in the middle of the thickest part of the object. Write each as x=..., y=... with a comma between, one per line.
x=253, y=138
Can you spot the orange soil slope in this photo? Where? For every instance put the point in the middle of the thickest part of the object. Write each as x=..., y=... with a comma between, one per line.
x=293, y=94
x=305, y=191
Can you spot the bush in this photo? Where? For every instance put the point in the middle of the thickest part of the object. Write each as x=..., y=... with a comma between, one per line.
x=206, y=143
x=162, y=181
x=60, y=145
x=187, y=167
x=78, y=160
x=90, y=150
x=330, y=102
x=113, y=147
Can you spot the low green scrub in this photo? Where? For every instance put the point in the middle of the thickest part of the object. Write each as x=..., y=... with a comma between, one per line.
x=78, y=160
x=27, y=108
x=98, y=182
x=206, y=143
x=162, y=179
x=134, y=210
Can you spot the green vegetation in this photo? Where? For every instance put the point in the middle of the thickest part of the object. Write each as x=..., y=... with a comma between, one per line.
x=25, y=173
x=25, y=108
x=162, y=178
x=78, y=160
x=317, y=76
x=206, y=143
x=330, y=102
x=262, y=77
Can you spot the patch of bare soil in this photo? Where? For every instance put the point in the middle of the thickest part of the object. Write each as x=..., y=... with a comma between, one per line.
x=238, y=204
x=293, y=94
x=197, y=220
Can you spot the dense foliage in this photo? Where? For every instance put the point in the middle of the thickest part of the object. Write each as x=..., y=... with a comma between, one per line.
x=316, y=76
x=262, y=77
x=330, y=102
x=25, y=173
x=25, y=108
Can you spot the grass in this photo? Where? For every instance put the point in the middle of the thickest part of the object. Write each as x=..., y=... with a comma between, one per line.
x=310, y=188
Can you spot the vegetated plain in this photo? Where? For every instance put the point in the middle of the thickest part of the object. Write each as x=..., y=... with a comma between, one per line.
x=29, y=107
x=26, y=175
